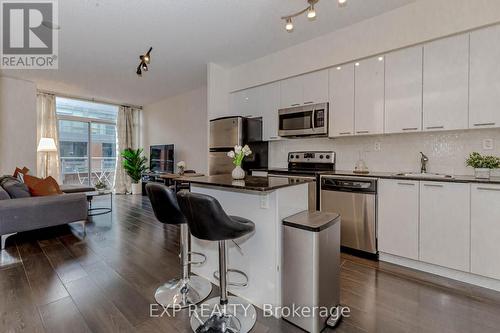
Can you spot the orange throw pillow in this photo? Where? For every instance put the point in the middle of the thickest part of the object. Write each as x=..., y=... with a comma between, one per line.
x=31, y=181
x=24, y=171
x=44, y=187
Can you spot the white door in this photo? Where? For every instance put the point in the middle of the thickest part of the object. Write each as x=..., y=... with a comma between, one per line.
x=315, y=87
x=291, y=92
x=485, y=78
x=398, y=217
x=485, y=230
x=268, y=103
x=446, y=84
x=403, y=91
x=369, y=96
x=341, y=120
x=445, y=224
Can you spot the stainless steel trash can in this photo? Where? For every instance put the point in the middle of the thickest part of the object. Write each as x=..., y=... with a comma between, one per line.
x=311, y=268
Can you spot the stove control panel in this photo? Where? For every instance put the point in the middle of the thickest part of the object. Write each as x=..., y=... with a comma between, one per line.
x=312, y=157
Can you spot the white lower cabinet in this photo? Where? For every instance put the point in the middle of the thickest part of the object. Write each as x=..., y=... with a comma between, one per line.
x=485, y=230
x=398, y=217
x=445, y=224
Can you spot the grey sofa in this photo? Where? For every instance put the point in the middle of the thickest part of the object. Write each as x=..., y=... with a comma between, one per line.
x=25, y=213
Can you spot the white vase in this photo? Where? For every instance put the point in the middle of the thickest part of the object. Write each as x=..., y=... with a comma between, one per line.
x=238, y=173
x=136, y=188
x=482, y=173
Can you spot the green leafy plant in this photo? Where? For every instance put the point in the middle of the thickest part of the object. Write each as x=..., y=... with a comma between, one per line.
x=100, y=185
x=479, y=161
x=134, y=163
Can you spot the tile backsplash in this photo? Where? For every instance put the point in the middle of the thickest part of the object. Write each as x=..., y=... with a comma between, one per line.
x=447, y=151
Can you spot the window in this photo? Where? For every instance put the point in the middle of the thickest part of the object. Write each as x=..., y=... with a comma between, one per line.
x=87, y=140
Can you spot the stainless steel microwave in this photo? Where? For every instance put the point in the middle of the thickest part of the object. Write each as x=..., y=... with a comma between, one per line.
x=308, y=120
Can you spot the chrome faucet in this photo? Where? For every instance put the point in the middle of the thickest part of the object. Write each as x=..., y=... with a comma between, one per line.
x=423, y=163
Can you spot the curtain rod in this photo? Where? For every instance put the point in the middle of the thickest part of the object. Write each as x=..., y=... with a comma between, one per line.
x=87, y=99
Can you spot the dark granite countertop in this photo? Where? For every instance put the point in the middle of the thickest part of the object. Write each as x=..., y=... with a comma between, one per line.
x=393, y=175
x=250, y=183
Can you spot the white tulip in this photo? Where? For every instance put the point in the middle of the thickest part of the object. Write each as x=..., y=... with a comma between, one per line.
x=230, y=154
x=237, y=149
x=181, y=164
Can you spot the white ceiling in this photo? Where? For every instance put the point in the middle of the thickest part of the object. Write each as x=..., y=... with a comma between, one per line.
x=100, y=41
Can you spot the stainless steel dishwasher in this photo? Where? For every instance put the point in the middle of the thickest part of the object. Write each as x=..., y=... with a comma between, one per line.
x=355, y=199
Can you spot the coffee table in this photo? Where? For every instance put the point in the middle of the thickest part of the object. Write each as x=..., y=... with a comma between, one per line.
x=99, y=210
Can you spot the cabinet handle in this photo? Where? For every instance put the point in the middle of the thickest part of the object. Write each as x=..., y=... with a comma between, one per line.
x=363, y=132
x=295, y=104
x=310, y=102
x=433, y=185
x=488, y=189
x=434, y=127
x=410, y=129
x=407, y=184
x=344, y=133
x=485, y=124
x=273, y=137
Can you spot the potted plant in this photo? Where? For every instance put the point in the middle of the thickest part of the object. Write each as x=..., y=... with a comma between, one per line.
x=100, y=186
x=134, y=164
x=483, y=164
x=238, y=155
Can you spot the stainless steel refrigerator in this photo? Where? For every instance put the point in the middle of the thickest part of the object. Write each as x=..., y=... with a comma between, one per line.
x=227, y=132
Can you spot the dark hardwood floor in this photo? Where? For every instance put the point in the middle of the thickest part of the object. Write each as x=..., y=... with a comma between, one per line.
x=53, y=280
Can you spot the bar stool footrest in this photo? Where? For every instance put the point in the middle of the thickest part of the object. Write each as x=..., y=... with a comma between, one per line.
x=234, y=284
x=196, y=262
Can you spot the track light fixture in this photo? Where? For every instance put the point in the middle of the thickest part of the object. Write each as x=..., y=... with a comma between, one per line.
x=310, y=13
x=145, y=60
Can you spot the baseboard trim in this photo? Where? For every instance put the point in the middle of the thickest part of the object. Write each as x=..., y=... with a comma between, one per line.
x=465, y=277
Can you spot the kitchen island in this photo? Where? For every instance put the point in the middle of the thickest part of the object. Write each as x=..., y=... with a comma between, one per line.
x=266, y=201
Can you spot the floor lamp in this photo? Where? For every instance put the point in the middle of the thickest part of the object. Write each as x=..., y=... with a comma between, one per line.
x=46, y=145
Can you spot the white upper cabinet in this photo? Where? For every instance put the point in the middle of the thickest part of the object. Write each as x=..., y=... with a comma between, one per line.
x=291, y=92
x=341, y=118
x=315, y=87
x=398, y=217
x=305, y=89
x=244, y=103
x=446, y=84
x=268, y=104
x=403, y=91
x=485, y=78
x=369, y=96
x=485, y=230
x=445, y=224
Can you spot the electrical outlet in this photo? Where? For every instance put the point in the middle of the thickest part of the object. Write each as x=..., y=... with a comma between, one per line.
x=488, y=144
x=377, y=146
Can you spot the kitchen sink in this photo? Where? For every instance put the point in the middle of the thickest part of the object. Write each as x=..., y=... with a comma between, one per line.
x=424, y=175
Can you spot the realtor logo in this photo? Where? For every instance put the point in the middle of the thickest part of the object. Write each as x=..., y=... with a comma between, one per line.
x=29, y=40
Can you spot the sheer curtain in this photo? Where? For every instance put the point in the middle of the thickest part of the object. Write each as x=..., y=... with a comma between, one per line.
x=127, y=136
x=47, y=128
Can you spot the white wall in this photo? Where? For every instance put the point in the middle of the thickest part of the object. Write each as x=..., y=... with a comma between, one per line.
x=180, y=120
x=17, y=125
x=447, y=151
x=415, y=23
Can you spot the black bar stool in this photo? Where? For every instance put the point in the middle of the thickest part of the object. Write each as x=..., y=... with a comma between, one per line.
x=208, y=221
x=188, y=289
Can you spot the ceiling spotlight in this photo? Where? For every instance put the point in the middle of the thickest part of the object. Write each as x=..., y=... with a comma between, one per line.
x=311, y=13
x=145, y=60
x=356, y=64
x=380, y=58
x=289, y=25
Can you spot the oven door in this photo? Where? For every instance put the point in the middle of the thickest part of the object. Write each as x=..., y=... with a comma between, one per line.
x=312, y=189
x=305, y=120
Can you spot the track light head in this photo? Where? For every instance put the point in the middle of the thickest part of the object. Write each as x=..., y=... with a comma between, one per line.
x=342, y=3
x=289, y=25
x=311, y=13
x=145, y=60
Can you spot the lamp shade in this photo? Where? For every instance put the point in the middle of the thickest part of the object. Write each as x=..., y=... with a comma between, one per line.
x=47, y=145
